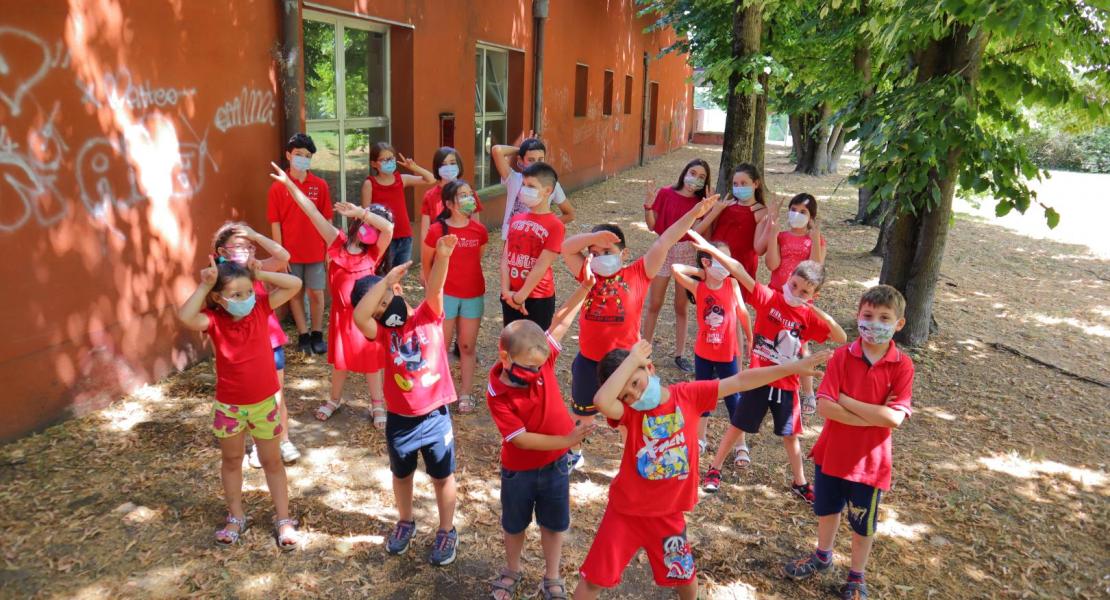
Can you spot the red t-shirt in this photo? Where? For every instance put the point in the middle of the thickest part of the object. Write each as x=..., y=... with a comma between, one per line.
x=659, y=468
x=862, y=454
x=432, y=204
x=793, y=249
x=417, y=376
x=669, y=206
x=298, y=234
x=735, y=226
x=464, y=270
x=538, y=408
x=348, y=348
x=610, y=316
x=392, y=196
x=716, y=339
x=245, y=371
x=781, y=330
x=529, y=235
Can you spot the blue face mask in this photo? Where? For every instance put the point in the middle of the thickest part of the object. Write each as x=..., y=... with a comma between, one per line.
x=240, y=308
x=449, y=172
x=300, y=163
x=389, y=166
x=651, y=397
x=743, y=192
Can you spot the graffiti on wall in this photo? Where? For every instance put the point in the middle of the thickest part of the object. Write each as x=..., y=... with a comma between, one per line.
x=250, y=107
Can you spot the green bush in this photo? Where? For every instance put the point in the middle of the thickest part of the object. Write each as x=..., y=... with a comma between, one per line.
x=1052, y=148
x=1094, y=149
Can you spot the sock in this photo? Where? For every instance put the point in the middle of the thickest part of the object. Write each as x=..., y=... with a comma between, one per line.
x=855, y=576
x=823, y=555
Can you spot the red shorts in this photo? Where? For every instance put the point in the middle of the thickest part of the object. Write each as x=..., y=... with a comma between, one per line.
x=620, y=536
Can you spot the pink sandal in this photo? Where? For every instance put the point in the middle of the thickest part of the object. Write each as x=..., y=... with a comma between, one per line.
x=228, y=537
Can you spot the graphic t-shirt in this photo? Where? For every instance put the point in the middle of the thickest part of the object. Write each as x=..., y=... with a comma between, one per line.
x=417, y=376
x=529, y=235
x=793, y=249
x=610, y=316
x=298, y=234
x=781, y=330
x=659, y=468
x=245, y=371
x=716, y=339
x=464, y=269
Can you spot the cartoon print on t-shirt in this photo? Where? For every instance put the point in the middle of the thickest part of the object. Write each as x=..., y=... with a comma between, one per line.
x=664, y=455
x=410, y=354
x=604, y=304
x=677, y=557
x=785, y=348
x=714, y=317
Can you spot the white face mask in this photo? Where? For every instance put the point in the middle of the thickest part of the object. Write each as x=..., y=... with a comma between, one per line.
x=791, y=299
x=606, y=265
x=529, y=196
x=797, y=220
x=717, y=271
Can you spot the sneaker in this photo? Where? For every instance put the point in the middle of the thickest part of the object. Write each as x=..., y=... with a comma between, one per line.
x=712, y=480
x=401, y=537
x=289, y=452
x=809, y=405
x=575, y=460
x=853, y=590
x=804, y=568
x=252, y=457
x=805, y=491
x=319, y=346
x=684, y=364
x=443, y=551
x=304, y=343
x=701, y=447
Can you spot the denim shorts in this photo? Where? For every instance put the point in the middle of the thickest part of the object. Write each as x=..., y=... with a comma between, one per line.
x=429, y=435
x=544, y=491
x=710, y=369
x=279, y=358
x=467, y=308
x=312, y=274
x=400, y=251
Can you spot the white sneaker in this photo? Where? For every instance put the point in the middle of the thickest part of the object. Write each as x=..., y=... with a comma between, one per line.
x=289, y=452
x=575, y=460
x=809, y=404
x=252, y=457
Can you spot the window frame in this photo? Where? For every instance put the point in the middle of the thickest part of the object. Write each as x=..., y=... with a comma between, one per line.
x=608, y=83
x=585, y=90
x=482, y=117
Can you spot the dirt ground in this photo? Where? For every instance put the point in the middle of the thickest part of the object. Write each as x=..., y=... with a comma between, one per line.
x=1000, y=477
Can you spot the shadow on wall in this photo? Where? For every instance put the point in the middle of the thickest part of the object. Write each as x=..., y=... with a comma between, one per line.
x=112, y=177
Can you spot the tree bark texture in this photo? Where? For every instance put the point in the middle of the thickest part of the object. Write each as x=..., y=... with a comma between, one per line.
x=861, y=60
x=747, y=28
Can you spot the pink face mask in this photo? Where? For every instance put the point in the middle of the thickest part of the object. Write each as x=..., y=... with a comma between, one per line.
x=367, y=235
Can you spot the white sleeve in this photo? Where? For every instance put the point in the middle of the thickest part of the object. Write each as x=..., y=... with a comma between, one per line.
x=558, y=196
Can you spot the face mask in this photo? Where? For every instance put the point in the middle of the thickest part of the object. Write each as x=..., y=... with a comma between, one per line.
x=529, y=196
x=743, y=192
x=449, y=172
x=791, y=299
x=300, y=163
x=239, y=255
x=240, y=308
x=396, y=313
x=367, y=235
x=717, y=271
x=651, y=396
x=694, y=184
x=467, y=205
x=797, y=220
x=521, y=375
x=606, y=264
x=389, y=166
x=875, y=332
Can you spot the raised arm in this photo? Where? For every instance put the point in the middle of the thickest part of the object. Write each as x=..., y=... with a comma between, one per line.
x=705, y=225
x=816, y=249
x=433, y=293
x=767, y=225
x=657, y=253
x=564, y=316
x=734, y=267
x=279, y=256
x=364, y=311
x=502, y=155
x=189, y=314
x=567, y=211
x=575, y=245
x=684, y=276
x=753, y=378
x=607, y=398
x=366, y=194
x=836, y=332
x=422, y=176
x=384, y=227
x=322, y=225
x=285, y=286
x=650, y=194
x=772, y=258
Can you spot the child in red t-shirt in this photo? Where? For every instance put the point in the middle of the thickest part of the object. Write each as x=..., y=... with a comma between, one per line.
x=464, y=293
x=866, y=393
x=418, y=390
x=719, y=343
x=783, y=323
x=657, y=480
x=741, y=219
x=535, y=240
x=351, y=255
x=384, y=186
x=536, y=431
x=233, y=311
x=447, y=166
x=611, y=316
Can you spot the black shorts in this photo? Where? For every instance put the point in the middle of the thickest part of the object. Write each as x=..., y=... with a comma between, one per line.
x=583, y=386
x=430, y=435
x=540, y=312
x=832, y=494
x=754, y=405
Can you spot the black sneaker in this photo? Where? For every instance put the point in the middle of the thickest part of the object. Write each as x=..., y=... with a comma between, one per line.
x=319, y=346
x=304, y=343
x=805, y=567
x=684, y=364
x=853, y=590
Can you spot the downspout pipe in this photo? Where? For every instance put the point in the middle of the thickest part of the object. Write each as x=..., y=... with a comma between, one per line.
x=289, y=71
x=539, y=16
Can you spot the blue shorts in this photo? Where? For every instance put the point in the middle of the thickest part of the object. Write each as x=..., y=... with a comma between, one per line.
x=430, y=435
x=467, y=308
x=400, y=251
x=279, y=358
x=583, y=386
x=708, y=369
x=754, y=405
x=833, y=494
x=544, y=491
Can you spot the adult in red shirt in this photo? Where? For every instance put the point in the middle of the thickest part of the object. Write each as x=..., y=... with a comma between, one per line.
x=535, y=240
x=293, y=230
x=446, y=167
x=662, y=208
x=740, y=219
x=386, y=187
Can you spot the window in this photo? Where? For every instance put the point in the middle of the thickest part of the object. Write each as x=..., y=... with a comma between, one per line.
x=491, y=99
x=346, y=98
x=607, y=101
x=653, y=120
x=627, y=94
x=581, y=78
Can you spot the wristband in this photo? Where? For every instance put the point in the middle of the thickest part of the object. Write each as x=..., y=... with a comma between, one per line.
x=647, y=207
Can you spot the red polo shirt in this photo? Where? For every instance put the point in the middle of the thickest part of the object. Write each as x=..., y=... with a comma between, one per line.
x=298, y=234
x=851, y=452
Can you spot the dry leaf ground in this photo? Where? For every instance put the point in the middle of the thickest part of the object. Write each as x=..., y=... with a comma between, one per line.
x=1000, y=477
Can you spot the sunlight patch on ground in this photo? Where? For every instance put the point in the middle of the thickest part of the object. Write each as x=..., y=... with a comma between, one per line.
x=158, y=582
x=890, y=525
x=1101, y=311
x=345, y=545
x=588, y=491
x=1023, y=468
x=933, y=411
x=304, y=384
x=1089, y=329
x=257, y=585
x=92, y=592
x=734, y=591
x=125, y=415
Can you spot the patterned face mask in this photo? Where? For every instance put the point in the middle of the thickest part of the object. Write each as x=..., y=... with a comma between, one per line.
x=875, y=332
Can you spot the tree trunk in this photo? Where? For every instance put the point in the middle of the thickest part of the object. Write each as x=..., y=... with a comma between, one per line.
x=837, y=141
x=884, y=220
x=804, y=143
x=864, y=214
x=861, y=59
x=915, y=247
x=759, y=139
x=747, y=27
x=795, y=122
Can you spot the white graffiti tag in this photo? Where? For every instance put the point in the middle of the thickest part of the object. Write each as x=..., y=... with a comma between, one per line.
x=30, y=175
x=250, y=107
x=122, y=92
x=34, y=60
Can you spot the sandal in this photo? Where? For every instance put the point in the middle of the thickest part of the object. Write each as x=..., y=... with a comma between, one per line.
x=328, y=409
x=743, y=458
x=509, y=589
x=377, y=413
x=228, y=537
x=287, y=541
x=558, y=582
x=466, y=404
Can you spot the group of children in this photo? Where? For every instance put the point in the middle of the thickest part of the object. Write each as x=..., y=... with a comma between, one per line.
x=402, y=346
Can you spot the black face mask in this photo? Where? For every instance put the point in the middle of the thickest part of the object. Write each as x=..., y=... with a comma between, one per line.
x=396, y=313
